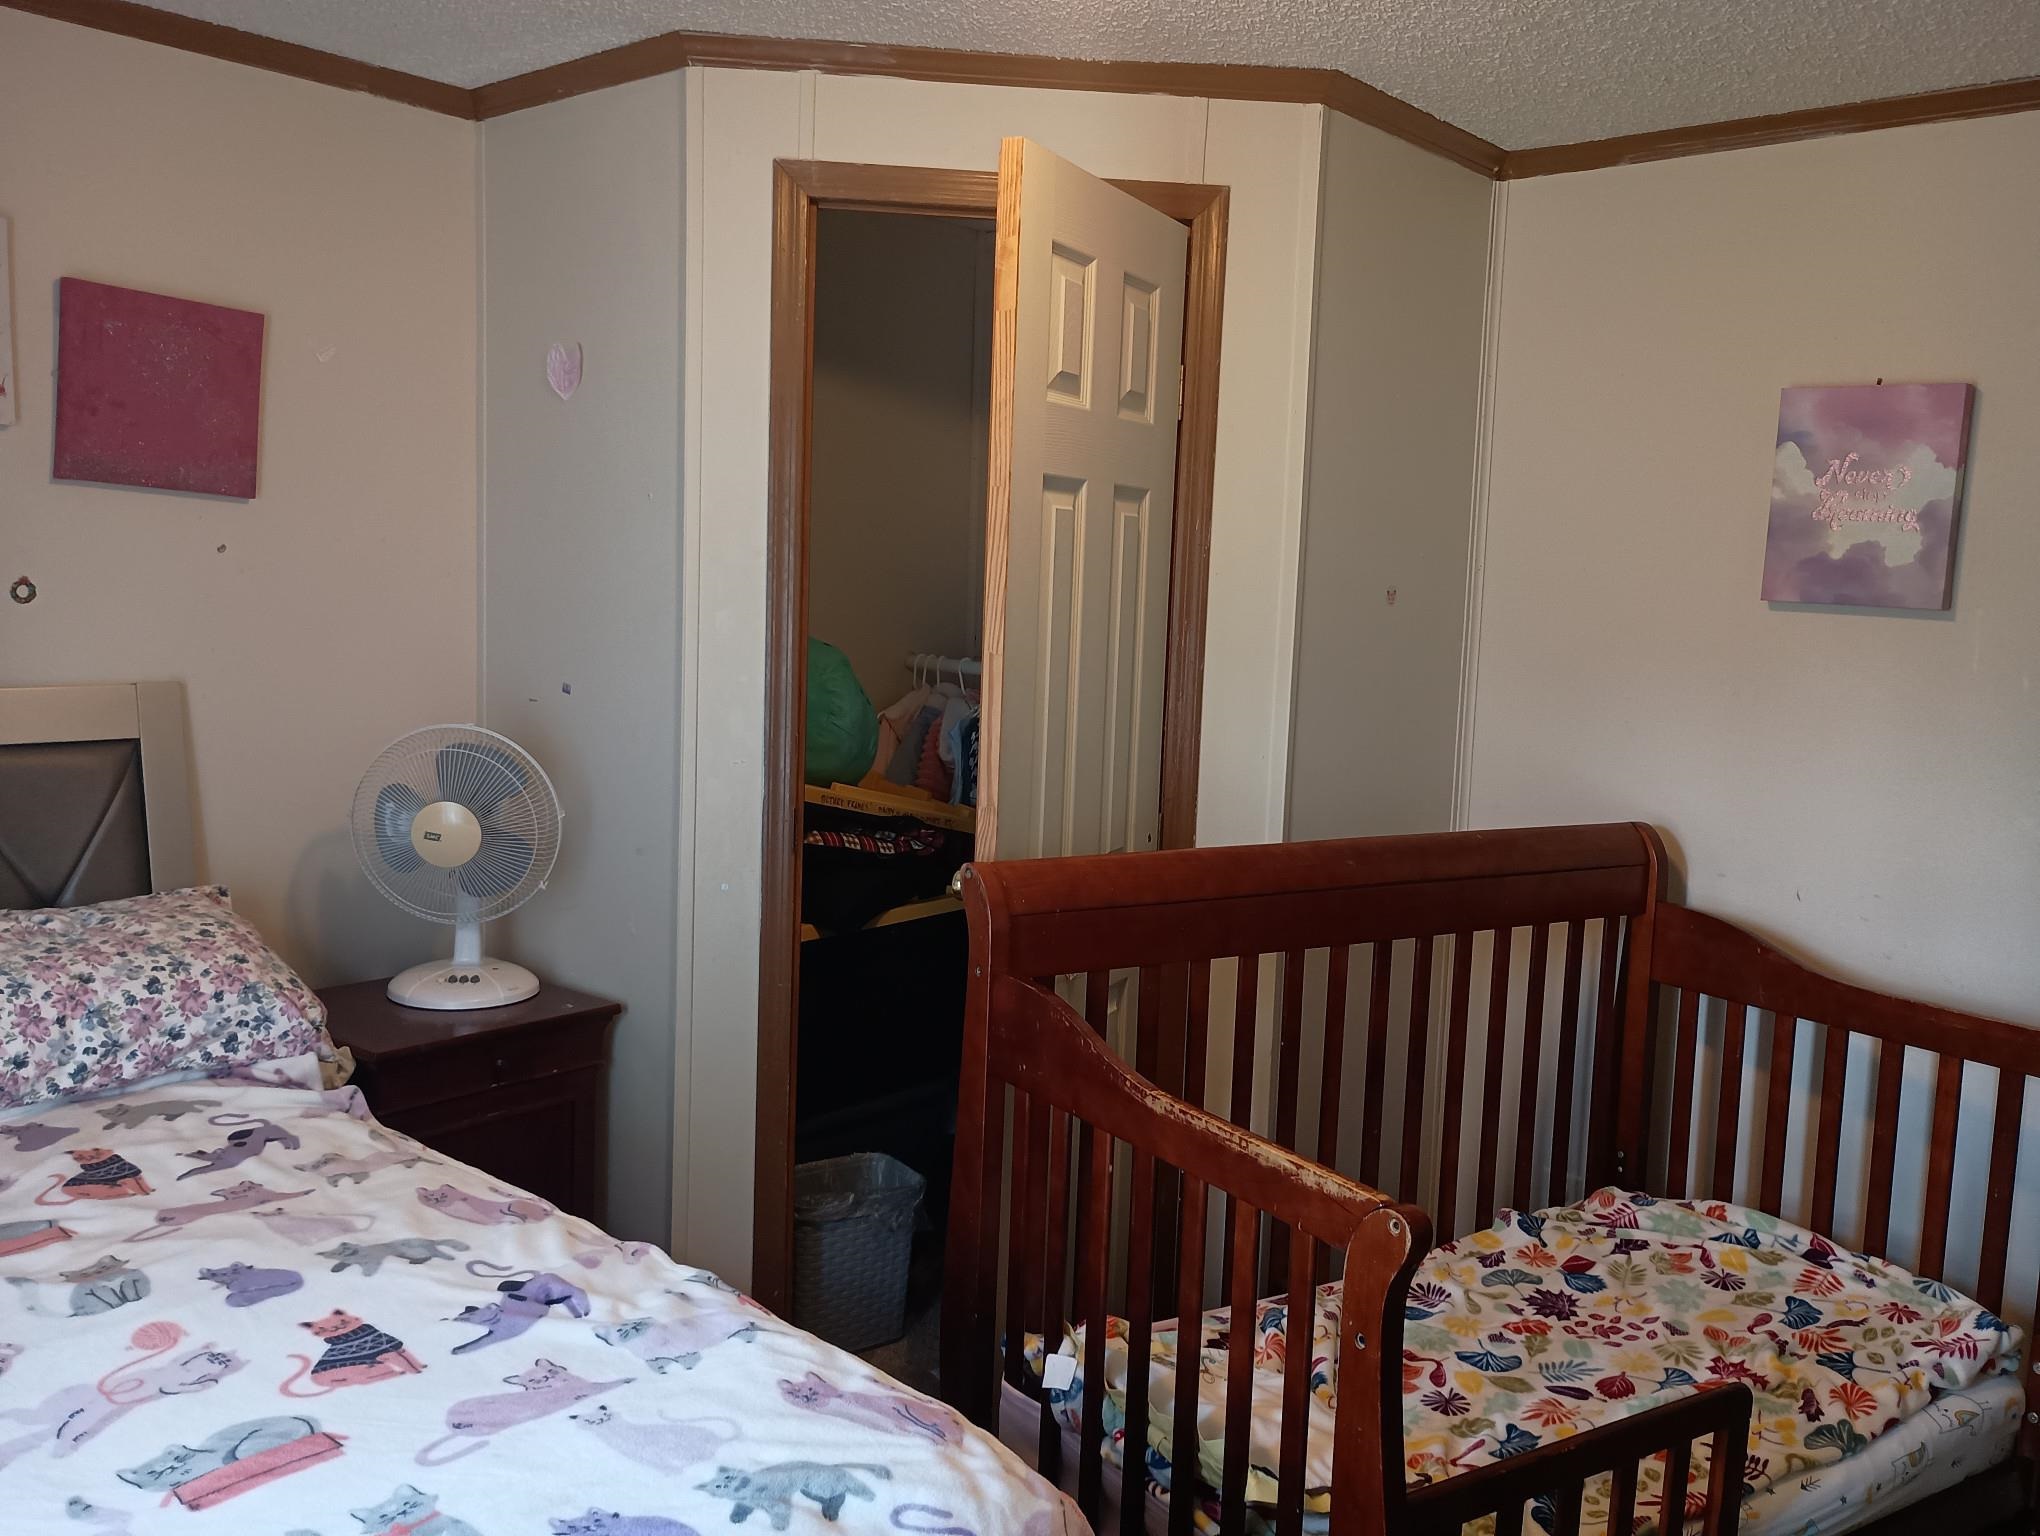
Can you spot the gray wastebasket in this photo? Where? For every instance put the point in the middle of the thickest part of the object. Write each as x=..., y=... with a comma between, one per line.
x=853, y=1237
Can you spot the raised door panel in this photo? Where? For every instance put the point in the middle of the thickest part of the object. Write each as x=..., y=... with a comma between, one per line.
x=1087, y=380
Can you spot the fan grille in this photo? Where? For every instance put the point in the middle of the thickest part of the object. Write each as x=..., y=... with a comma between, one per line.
x=504, y=788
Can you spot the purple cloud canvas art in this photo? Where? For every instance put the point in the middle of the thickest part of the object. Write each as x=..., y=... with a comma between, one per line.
x=1865, y=492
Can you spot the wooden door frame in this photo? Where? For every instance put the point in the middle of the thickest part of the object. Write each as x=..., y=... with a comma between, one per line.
x=801, y=189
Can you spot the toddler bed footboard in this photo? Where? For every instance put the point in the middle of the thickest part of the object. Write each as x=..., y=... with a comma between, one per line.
x=1070, y=1155
x=1470, y=1021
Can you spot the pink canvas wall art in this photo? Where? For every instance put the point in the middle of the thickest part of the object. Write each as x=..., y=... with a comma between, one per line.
x=155, y=391
x=1866, y=490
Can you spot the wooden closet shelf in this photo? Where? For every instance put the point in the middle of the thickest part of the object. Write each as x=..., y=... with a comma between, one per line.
x=934, y=906
x=875, y=802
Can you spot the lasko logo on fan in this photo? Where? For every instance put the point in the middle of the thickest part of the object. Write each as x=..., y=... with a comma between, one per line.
x=431, y=837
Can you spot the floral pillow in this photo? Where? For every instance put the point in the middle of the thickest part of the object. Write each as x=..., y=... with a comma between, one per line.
x=94, y=998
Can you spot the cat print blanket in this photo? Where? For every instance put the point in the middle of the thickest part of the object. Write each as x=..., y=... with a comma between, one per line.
x=241, y=1307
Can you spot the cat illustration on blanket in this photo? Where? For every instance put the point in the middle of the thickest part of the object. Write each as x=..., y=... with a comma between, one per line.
x=665, y=1445
x=369, y=1257
x=309, y=1227
x=355, y=1353
x=461, y=1206
x=73, y=1416
x=253, y=1137
x=408, y=1512
x=894, y=1412
x=607, y=1522
x=34, y=1136
x=333, y=1167
x=543, y=1390
x=247, y=1286
x=27, y=1236
x=112, y=1522
x=665, y=1342
x=520, y=1304
x=172, y=1219
x=772, y=1490
x=103, y=1174
x=247, y=1442
x=100, y=1286
x=127, y=1116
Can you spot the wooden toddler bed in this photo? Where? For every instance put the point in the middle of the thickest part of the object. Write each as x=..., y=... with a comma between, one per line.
x=1466, y=1020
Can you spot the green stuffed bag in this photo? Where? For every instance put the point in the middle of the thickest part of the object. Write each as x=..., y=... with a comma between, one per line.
x=842, y=727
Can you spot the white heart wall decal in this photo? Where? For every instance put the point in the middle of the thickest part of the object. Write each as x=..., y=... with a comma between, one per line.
x=563, y=367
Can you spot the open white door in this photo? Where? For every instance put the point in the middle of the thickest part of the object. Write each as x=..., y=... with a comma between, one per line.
x=1087, y=352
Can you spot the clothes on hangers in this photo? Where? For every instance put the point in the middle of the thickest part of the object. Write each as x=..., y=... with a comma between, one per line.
x=932, y=774
x=894, y=722
x=906, y=764
x=967, y=753
x=963, y=765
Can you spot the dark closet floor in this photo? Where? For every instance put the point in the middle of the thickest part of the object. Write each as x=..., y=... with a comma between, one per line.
x=914, y=1357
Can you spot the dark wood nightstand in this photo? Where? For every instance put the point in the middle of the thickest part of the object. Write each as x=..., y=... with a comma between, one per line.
x=517, y=1091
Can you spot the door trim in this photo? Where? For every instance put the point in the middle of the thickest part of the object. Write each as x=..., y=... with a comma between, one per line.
x=800, y=190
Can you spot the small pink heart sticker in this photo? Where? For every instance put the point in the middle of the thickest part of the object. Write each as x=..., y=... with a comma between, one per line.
x=563, y=367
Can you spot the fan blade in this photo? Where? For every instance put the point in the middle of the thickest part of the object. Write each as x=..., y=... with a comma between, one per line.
x=396, y=805
x=478, y=776
x=498, y=865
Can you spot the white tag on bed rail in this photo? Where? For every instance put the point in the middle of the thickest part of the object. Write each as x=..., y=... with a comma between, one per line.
x=1058, y=1371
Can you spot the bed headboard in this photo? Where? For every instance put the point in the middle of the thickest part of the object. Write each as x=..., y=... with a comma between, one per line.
x=95, y=794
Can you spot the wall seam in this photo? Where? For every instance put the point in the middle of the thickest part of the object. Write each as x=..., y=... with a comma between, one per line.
x=1477, y=533
x=1284, y=829
x=694, y=113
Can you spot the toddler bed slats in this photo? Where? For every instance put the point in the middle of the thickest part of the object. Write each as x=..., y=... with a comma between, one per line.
x=1905, y=1063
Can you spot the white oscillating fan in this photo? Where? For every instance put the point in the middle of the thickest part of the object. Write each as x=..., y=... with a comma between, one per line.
x=457, y=825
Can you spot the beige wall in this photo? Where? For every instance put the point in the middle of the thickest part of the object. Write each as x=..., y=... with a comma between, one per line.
x=581, y=533
x=1395, y=430
x=738, y=122
x=1862, y=785
x=903, y=320
x=337, y=609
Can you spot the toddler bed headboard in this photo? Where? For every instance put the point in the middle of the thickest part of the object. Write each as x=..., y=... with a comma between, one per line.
x=1337, y=996
x=1332, y=994
x=95, y=799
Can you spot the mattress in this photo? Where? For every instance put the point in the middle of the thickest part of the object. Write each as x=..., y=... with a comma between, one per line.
x=1873, y=1387
x=243, y=1306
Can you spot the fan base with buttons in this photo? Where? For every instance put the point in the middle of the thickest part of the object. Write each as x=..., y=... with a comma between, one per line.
x=453, y=984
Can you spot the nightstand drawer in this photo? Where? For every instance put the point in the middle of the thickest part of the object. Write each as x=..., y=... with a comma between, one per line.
x=460, y=1069
x=540, y=1135
x=517, y=1091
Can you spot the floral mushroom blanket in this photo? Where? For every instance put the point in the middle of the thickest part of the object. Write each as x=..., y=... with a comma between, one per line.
x=1544, y=1325
x=1549, y=1323
x=239, y=1306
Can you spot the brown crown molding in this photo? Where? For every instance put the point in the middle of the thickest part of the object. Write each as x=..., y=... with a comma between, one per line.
x=1225, y=82
x=1776, y=128
x=237, y=47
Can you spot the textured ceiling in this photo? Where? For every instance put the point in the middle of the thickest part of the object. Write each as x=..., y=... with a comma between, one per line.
x=1519, y=73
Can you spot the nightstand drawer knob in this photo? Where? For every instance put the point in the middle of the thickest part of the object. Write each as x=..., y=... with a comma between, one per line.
x=502, y=1069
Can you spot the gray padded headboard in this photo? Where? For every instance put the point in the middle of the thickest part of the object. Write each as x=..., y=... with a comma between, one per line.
x=94, y=797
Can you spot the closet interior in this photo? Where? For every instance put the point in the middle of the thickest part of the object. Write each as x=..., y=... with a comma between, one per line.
x=902, y=313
